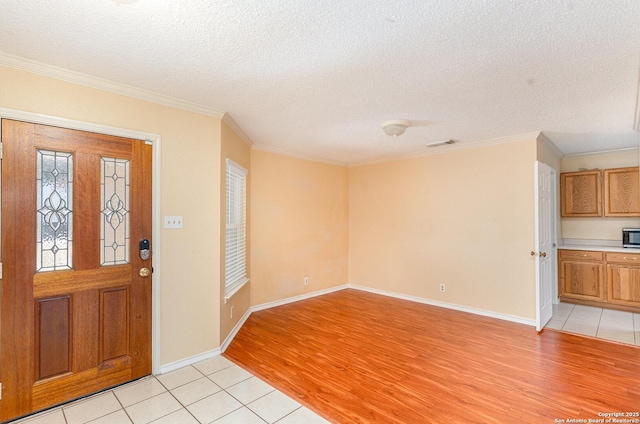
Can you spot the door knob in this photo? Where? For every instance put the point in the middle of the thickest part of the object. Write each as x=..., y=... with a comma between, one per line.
x=543, y=254
x=533, y=253
x=144, y=272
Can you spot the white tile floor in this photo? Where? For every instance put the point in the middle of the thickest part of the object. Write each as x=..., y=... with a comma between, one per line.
x=212, y=391
x=602, y=323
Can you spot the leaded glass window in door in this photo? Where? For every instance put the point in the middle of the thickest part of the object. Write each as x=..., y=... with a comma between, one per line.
x=114, y=225
x=54, y=217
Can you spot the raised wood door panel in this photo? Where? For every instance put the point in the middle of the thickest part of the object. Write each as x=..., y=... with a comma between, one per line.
x=76, y=327
x=582, y=280
x=623, y=278
x=621, y=192
x=581, y=194
x=623, y=284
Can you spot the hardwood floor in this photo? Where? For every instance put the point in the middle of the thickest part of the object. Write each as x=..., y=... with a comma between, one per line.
x=357, y=357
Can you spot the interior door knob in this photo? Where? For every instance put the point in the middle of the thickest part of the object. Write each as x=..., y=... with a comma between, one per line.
x=543, y=254
x=533, y=253
x=144, y=272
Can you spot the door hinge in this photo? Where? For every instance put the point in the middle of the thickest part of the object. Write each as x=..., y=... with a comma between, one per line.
x=0, y=150
x=0, y=391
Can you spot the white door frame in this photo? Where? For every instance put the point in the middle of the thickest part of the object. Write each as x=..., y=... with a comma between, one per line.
x=552, y=253
x=155, y=140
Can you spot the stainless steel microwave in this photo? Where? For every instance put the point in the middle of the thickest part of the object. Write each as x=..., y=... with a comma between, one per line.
x=631, y=237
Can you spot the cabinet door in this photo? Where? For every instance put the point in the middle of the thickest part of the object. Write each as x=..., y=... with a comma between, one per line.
x=621, y=194
x=581, y=194
x=582, y=280
x=623, y=285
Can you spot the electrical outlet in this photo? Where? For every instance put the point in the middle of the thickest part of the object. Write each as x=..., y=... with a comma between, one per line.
x=172, y=222
x=306, y=281
x=442, y=288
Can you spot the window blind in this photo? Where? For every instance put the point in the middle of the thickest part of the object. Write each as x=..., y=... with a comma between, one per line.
x=236, y=223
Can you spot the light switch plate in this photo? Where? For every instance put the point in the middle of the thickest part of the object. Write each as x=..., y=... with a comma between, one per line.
x=173, y=222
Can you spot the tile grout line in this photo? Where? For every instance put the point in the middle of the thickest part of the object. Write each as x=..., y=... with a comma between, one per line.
x=599, y=322
x=122, y=406
x=178, y=400
x=280, y=419
x=635, y=340
x=222, y=389
x=182, y=405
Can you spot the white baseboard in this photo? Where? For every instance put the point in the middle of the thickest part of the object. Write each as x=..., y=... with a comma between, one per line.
x=234, y=331
x=490, y=314
x=297, y=298
x=181, y=363
x=206, y=355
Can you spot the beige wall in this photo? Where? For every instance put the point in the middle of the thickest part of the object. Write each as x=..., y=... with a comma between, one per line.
x=603, y=160
x=190, y=162
x=464, y=218
x=598, y=228
x=299, y=226
x=238, y=151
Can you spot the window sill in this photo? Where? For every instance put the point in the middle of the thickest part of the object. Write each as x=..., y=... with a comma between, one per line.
x=228, y=295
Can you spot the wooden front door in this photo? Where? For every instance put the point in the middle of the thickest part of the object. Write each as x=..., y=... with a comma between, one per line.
x=76, y=306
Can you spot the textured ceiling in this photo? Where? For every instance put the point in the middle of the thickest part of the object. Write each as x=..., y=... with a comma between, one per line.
x=316, y=78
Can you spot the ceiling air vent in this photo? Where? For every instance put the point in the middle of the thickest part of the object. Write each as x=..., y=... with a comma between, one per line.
x=439, y=143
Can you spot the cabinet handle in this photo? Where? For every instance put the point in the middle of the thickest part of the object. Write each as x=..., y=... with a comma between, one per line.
x=584, y=256
x=632, y=258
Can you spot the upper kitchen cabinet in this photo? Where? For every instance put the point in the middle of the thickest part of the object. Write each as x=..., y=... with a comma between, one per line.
x=621, y=192
x=581, y=193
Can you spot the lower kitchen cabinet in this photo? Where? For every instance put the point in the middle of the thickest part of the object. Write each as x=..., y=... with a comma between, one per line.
x=610, y=280
x=623, y=279
x=581, y=275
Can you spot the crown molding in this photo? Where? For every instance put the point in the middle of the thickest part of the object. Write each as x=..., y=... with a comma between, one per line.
x=624, y=149
x=86, y=80
x=455, y=147
x=278, y=151
x=227, y=119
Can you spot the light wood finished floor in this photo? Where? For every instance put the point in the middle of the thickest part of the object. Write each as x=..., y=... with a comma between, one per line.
x=356, y=357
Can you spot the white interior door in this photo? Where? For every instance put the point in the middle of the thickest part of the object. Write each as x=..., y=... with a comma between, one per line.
x=545, y=242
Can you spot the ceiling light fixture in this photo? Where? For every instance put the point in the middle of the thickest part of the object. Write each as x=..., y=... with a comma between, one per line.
x=395, y=127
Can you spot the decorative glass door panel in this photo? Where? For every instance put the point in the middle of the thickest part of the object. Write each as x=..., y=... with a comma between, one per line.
x=114, y=225
x=54, y=223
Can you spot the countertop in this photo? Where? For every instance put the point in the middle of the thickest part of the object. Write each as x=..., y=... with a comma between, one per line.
x=597, y=245
x=618, y=249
